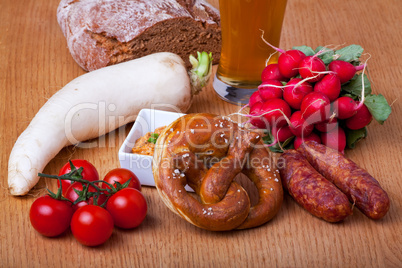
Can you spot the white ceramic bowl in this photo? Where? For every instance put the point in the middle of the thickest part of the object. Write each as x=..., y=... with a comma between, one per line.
x=147, y=121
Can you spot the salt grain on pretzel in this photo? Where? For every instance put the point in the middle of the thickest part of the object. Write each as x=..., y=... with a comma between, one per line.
x=208, y=154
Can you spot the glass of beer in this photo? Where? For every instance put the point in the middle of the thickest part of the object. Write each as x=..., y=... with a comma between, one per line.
x=244, y=54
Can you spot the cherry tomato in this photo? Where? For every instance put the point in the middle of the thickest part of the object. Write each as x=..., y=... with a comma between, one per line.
x=89, y=173
x=72, y=196
x=92, y=225
x=122, y=175
x=128, y=208
x=49, y=216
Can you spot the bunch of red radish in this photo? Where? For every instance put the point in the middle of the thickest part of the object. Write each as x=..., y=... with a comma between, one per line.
x=301, y=99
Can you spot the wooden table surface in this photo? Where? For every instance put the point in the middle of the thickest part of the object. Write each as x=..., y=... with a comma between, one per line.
x=35, y=63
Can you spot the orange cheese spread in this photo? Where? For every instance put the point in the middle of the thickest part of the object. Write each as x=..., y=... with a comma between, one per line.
x=144, y=146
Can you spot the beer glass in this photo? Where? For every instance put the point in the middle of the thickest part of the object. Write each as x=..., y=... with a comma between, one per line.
x=244, y=54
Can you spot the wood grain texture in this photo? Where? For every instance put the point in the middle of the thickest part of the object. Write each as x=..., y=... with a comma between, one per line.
x=35, y=63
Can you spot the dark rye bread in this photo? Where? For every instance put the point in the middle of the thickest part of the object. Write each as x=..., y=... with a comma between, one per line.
x=104, y=32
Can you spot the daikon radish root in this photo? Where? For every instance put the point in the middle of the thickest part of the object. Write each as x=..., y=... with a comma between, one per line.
x=77, y=112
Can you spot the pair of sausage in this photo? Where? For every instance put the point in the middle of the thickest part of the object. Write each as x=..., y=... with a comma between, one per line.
x=324, y=183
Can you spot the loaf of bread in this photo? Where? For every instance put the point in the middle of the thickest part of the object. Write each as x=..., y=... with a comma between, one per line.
x=105, y=32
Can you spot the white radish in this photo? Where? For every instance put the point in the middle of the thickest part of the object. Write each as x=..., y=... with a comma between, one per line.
x=78, y=111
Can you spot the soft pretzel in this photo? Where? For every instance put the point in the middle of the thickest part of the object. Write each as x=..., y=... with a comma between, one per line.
x=206, y=152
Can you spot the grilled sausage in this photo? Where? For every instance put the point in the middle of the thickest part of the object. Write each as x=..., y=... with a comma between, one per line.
x=361, y=188
x=311, y=190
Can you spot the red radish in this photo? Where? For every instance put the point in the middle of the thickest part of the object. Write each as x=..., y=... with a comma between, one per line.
x=294, y=92
x=276, y=112
x=312, y=137
x=344, y=107
x=258, y=120
x=327, y=126
x=282, y=134
x=344, y=70
x=298, y=125
x=289, y=62
x=313, y=68
x=254, y=98
x=271, y=72
x=361, y=119
x=330, y=85
x=335, y=139
x=270, y=89
x=315, y=107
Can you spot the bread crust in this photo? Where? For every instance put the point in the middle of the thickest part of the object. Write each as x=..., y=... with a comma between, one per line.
x=101, y=33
